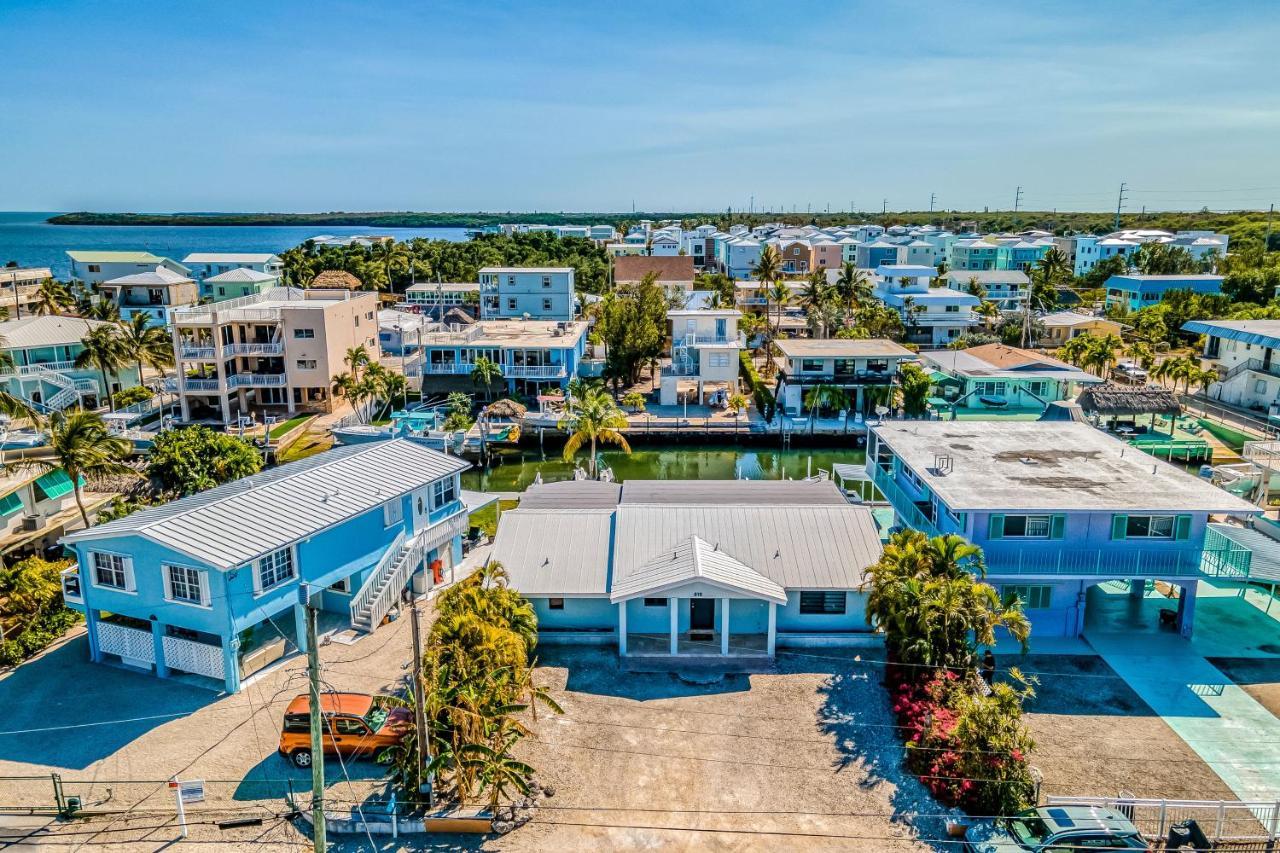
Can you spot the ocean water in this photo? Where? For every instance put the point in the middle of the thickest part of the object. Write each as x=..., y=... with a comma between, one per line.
x=31, y=241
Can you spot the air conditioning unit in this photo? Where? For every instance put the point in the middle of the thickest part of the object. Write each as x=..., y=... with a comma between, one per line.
x=31, y=523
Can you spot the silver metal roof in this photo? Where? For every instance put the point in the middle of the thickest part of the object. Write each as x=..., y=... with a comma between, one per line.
x=1046, y=465
x=558, y=552
x=722, y=492
x=240, y=521
x=566, y=494
x=697, y=560
x=795, y=546
x=48, y=331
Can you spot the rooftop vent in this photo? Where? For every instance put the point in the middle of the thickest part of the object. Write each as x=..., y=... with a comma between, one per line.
x=1027, y=460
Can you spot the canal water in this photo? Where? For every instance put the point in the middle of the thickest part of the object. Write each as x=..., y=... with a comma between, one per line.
x=513, y=470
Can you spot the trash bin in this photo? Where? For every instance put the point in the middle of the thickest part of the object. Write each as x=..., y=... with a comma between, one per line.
x=419, y=583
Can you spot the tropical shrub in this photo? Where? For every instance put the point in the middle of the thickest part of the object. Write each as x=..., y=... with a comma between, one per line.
x=192, y=459
x=136, y=394
x=32, y=614
x=760, y=392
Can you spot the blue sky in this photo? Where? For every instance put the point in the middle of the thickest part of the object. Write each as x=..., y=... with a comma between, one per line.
x=593, y=106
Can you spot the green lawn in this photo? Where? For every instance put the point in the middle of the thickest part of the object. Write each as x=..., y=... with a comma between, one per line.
x=280, y=429
x=487, y=519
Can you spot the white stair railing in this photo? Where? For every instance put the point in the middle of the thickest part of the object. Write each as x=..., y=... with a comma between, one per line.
x=380, y=593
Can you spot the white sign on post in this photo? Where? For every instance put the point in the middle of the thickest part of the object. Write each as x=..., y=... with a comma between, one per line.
x=191, y=791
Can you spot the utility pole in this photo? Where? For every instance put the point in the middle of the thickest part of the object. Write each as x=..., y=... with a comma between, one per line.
x=885, y=209
x=317, y=720
x=1266, y=241
x=1120, y=202
x=420, y=713
x=1017, y=199
x=932, y=198
x=753, y=205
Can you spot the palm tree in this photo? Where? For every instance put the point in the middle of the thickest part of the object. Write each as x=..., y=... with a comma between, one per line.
x=146, y=344
x=53, y=297
x=485, y=373
x=80, y=444
x=395, y=385
x=356, y=358
x=593, y=417
x=779, y=294
x=103, y=349
x=853, y=285
x=989, y=312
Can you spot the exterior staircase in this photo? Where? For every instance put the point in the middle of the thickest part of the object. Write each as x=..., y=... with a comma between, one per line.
x=69, y=390
x=382, y=590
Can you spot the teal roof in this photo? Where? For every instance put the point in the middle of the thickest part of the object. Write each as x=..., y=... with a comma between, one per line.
x=55, y=484
x=9, y=504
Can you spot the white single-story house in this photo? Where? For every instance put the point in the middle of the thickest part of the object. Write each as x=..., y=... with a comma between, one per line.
x=721, y=571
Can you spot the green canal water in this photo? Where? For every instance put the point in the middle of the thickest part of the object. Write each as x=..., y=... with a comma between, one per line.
x=514, y=470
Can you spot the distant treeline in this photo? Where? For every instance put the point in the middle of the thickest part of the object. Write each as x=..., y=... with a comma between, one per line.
x=1239, y=225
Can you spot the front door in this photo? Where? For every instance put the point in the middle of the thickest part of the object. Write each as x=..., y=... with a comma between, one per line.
x=702, y=614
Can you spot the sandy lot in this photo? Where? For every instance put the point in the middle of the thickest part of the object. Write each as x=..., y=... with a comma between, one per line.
x=1259, y=677
x=1096, y=737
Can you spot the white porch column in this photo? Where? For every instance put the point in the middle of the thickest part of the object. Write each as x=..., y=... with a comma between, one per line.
x=724, y=626
x=673, y=605
x=622, y=628
x=773, y=628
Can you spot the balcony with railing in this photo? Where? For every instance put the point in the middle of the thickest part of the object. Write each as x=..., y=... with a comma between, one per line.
x=448, y=368
x=533, y=371
x=199, y=383
x=903, y=505
x=257, y=380
x=854, y=377
x=691, y=340
x=1115, y=562
x=273, y=348
x=196, y=353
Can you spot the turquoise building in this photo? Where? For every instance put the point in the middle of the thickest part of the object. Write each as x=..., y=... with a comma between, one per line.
x=1134, y=292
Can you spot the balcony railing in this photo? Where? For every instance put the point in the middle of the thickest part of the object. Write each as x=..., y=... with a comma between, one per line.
x=533, y=371
x=447, y=369
x=38, y=369
x=695, y=340
x=191, y=383
x=1117, y=562
x=256, y=380
x=903, y=505
x=252, y=349
x=857, y=377
x=187, y=352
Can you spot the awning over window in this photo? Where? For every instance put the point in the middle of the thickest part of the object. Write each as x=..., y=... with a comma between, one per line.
x=9, y=504
x=54, y=484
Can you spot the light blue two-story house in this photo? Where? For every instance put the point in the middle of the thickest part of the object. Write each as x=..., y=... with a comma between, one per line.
x=1058, y=508
x=531, y=293
x=211, y=584
x=1134, y=292
x=44, y=350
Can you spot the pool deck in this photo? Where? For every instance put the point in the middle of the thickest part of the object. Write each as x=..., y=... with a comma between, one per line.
x=1224, y=725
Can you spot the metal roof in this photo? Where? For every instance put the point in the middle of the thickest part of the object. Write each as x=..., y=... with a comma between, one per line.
x=962, y=277
x=157, y=276
x=241, y=274
x=230, y=258
x=723, y=492
x=233, y=524
x=795, y=546
x=559, y=552
x=1046, y=465
x=570, y=494
x=1262, y=332
x=114, y=257
x=49, y=331
x=841, y=348
x=697, y=560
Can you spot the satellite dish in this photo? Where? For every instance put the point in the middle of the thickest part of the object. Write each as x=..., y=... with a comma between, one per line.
x=882, y=410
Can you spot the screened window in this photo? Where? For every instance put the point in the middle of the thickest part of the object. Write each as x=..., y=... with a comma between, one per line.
x=184, y=584
x=1026, y=526
x=546, y=281
x=822, y=602
x=555, y=604
x=306, y=364
x=109, y=571
x=655, y=602
x=1032, y=596
x=275, y=568
x=1149, y=527
x=443, y=492
x=392, y=512
x=301, y=334
x=811, y=365
x=546, y=305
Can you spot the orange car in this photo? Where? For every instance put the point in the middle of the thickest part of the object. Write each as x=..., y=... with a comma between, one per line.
x=355, y=724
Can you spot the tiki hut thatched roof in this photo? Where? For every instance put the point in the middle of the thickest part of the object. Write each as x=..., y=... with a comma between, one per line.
x=1113, y=399
x=459, y=316
x=336, y=279
x=505, y=408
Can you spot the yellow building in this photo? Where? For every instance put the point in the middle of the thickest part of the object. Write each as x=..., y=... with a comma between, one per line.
x=1065, y=325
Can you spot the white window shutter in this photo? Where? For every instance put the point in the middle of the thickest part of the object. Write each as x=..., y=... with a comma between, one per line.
x=166, y=573
x=252, y=568
x=129, y=583
x=204, y=588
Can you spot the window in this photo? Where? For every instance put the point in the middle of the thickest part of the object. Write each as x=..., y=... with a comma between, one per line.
x=511, y=303
x=511, y=281
x=443, y=492
x=304, y=334
x=343, y=586
x=822, y=602
x=1149, y=527
x=952, y=309
x=546, y=305
x=990, y=389
x=1026, y=526
x=811, y=365
x=555, y=604
x=306, y=364
x=718, y=359
x=546, y=281
x=1260, y=386
x=655, y=602
x=392, y=512
x=185, y=584
x=350, y=726
x=275, y=568
x=1032, y=596
x=95, y=268
x=1039, y=388
x=109, y=570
